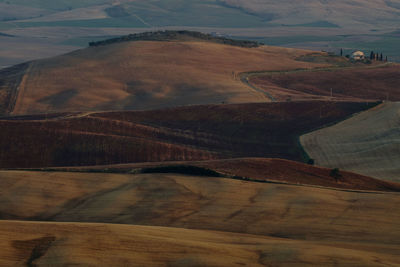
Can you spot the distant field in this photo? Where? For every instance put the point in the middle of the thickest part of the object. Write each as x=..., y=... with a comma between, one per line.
x=182, y=134
x=55, y=5
x=100, y=245
x=317, y=25
x=367, y=143
x=379, y=83
x=316, y=13
x=132, y=22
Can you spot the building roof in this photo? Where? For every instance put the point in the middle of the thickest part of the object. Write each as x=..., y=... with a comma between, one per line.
x=358, y=53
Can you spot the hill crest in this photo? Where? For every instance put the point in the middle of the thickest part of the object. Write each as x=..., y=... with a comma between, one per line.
x=183, y=35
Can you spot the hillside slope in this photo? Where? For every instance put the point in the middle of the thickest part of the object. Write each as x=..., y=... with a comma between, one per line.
x=147, y=75
x=379, y=82
x=367, y=143
x=201, y=202
x=43, y=244
x=175, y=134
x=253, y=169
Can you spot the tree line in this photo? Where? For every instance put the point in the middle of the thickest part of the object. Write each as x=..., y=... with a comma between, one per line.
x=377, y=56
x=176, y=35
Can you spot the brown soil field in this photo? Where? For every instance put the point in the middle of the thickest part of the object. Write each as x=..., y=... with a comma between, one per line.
x=356, y=84
x=147, y=75
x=368, y=219
x=176, y=134
x=85, y=244
x=259, y=170
x=367, y=143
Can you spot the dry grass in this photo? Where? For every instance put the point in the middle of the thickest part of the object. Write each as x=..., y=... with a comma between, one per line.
x=147, y=75
x=366, y=143
x=294, y=212
x=82, y=244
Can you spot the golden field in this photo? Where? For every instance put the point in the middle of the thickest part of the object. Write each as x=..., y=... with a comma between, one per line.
x=148, y=75
x=266, y=224
x=86, y=244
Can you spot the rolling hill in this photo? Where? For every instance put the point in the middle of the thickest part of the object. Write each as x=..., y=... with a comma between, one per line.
x=147, y=75
x=174, y=134
x=55, y=27
x=177, y=148
x=367, y=143
x=106, y=244
x=349, y=223
x=250, y=169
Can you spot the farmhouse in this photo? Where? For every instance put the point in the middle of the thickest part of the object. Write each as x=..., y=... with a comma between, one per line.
x=358, y=55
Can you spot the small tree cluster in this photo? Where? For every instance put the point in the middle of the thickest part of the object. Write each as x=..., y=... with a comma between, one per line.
x=335, y=173
x=377, y=56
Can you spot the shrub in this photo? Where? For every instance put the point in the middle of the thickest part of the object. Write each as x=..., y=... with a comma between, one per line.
x=335, y=173
x=182, y=169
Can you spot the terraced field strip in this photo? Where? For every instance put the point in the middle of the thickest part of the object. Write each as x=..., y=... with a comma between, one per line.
x=368, y=143
x=91, y=244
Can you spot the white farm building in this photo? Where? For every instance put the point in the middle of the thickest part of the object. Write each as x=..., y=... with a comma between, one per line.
x=358, y=55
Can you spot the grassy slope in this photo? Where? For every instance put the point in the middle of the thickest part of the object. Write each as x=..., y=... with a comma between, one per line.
x=255, y=169
x=369, y=83
x=147, y=75
x=293, y=212
x=120, y=245
x=367, y=143
x=185, y=133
